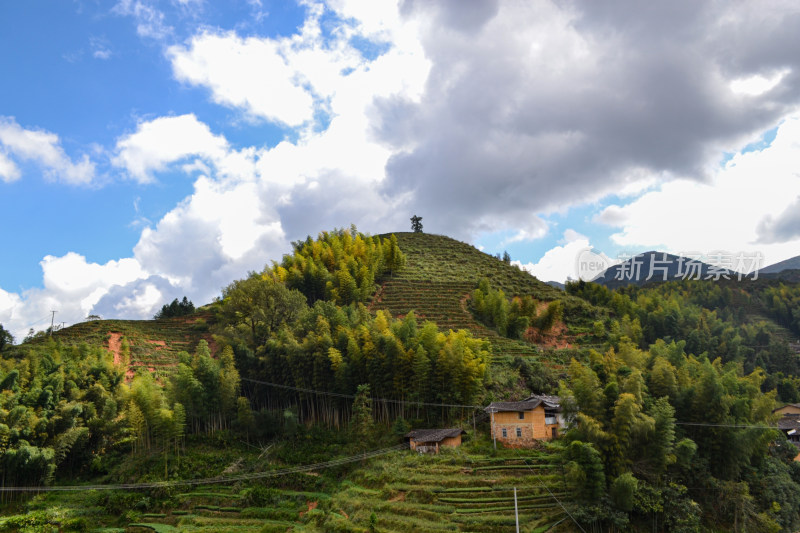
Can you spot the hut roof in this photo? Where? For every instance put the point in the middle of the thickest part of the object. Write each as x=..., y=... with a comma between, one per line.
x=434, y=435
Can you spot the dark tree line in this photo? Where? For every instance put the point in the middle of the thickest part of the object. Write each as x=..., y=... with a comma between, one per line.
x=175, y=309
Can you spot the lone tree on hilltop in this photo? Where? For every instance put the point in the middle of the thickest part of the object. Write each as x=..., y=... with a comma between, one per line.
x=416, y=224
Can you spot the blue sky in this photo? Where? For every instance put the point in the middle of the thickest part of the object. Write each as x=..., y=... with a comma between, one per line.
x=151, y=149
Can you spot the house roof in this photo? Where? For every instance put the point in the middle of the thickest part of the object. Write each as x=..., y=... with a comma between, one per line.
x=550, y=402
x=788, y=422
x=433, y=435
x=526, y=405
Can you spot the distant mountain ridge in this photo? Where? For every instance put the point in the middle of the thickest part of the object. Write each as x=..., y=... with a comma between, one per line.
x=654, y=266
x=793, y=263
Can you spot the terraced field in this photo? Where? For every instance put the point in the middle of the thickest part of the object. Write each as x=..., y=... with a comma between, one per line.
x=454, y=491
x=154, y=344
x=440, y=274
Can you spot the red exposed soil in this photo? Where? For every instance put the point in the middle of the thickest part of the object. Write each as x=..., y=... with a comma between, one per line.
x=114, y=346
x=399, y=497
x=555, y=338
x=311, y=507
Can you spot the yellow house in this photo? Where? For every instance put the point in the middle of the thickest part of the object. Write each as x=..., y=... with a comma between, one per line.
x=431, y=440
x=521, y=424
x=788, y=409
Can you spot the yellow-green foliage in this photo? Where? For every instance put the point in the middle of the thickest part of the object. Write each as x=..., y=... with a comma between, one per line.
x=58, y=407
x=337, y=349
x=340, y=266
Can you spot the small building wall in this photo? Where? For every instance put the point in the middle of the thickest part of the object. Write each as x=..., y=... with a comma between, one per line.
x=532, y=427
x=788, y=410
x=453, y=442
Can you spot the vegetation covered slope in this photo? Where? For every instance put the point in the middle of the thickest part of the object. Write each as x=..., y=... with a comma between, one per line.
x=148, y=344
x=670, y=392
x=441, y=273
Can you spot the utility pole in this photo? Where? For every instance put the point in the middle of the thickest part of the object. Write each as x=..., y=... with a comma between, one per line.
x=516, y=514
x=52, y=319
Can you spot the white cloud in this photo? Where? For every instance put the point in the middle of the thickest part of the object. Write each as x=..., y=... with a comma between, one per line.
x=100, y=48
x=8, y=170
x=758, y=84
x=43, y=148
x=8, y=303
x=536, y=230
x=248, y=73
x=72, y=274
x=160, y=142
x=726, y=213
x=72, y=286
x=140, y=300
x=535, y=107
x=150, y=22
x=559, y=263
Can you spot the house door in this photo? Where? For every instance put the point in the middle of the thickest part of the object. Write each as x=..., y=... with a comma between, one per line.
x=555, y=432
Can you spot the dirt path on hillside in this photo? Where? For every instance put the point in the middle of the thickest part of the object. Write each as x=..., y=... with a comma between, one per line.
x=115, y=346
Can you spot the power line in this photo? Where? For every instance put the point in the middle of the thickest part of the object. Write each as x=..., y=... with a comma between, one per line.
x=341, y=395
x=411, y=402
x=541, y=484
x=211, y=480
x=34, y=323
x=739, y=426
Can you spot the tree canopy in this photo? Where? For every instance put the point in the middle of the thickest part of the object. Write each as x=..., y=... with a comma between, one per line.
x=175, y=309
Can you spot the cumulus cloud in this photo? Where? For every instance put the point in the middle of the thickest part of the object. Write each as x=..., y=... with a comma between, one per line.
x=71, y=286
x=216, y=235
x=478, y=120
x=43, y=148
x=8, y=170
x=561, y=262
x=785, y=227
x=140, y=298
x=537, y=106
x=165, y=140
x=225, y=63
x=734, y=211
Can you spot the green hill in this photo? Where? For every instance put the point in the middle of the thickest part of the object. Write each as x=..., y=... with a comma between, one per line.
x=153, y=344
x=301, y=450
x=440, y=274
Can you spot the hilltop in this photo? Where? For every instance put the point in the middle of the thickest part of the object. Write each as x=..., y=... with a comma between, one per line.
x=441, y=273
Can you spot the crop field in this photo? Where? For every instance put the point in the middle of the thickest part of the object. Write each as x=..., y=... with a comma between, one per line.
x=439, y=276
x=465, y=489
x=154, y=344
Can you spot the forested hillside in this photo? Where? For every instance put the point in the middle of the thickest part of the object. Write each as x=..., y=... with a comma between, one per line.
x=272, y=399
